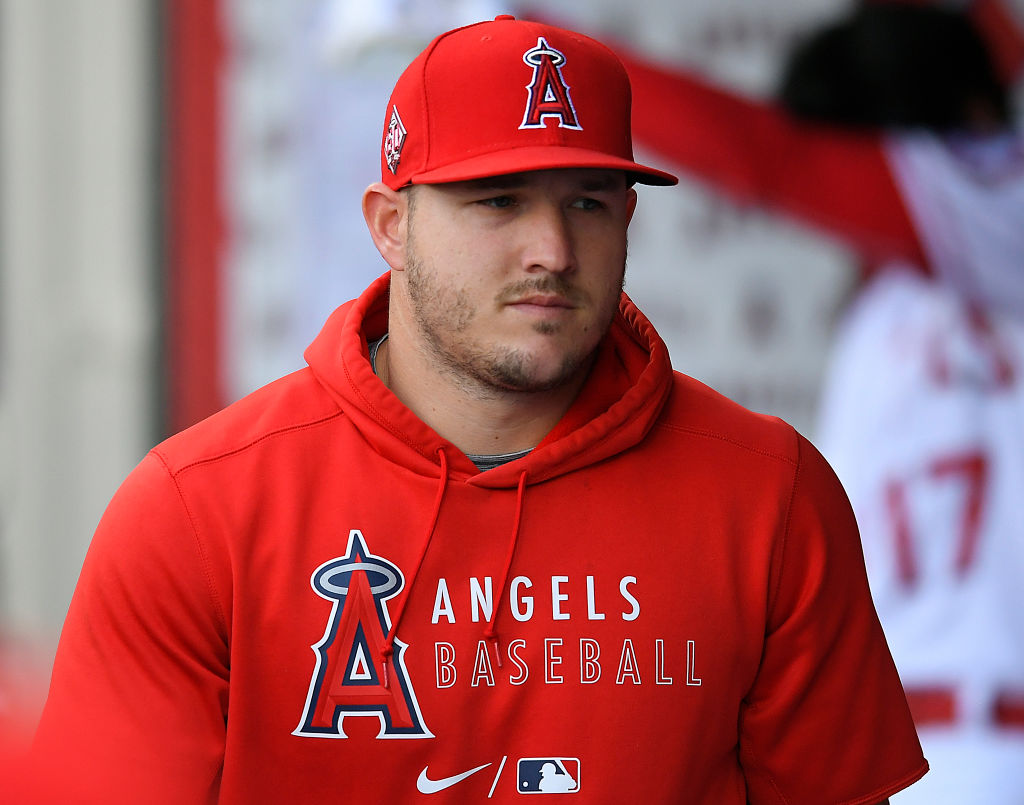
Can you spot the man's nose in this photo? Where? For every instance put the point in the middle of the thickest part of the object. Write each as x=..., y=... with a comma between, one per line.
x=550, y=240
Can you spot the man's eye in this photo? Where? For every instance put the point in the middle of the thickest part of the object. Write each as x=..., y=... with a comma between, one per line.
x=587, y=204
x=498, y=202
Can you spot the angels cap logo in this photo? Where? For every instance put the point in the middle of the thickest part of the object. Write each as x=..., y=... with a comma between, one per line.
x=345, y=680
x=548, y=94
x=394, y=140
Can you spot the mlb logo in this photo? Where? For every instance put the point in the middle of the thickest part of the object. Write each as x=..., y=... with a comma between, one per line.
x=549, y=775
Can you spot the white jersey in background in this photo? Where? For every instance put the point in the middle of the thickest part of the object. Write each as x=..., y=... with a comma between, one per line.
x=923, y=419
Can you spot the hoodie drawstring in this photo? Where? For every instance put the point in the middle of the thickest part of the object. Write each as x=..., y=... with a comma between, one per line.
x=490, y=632
x=389, y=641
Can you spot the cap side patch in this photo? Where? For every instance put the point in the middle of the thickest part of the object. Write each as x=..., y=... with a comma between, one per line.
x=394, y=140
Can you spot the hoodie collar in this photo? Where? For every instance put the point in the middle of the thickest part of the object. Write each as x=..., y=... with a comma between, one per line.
x=618, y=404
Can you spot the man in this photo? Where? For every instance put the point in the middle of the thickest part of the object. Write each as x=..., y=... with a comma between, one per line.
x=488, y=531
x=894, y=129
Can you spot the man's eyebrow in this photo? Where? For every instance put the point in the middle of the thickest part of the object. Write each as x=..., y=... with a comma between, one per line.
x=599, y=182
x=503, y=182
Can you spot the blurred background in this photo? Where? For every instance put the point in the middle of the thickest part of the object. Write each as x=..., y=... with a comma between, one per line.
x=179, y=213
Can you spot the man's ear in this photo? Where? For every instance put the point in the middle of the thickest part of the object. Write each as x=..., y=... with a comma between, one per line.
x=385, y=212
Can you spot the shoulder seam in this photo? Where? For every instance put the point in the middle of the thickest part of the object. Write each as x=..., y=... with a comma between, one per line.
x=774, y=591
x=710, y=434
x=774, y=586
x=242, y=448
x=204, y=561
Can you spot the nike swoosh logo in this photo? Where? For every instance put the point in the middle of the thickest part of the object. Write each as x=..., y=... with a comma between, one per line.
x=427, y=786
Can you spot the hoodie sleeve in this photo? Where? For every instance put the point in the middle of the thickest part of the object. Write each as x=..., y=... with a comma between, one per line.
x=826, y=719
x=138, y=698
x=833, y=179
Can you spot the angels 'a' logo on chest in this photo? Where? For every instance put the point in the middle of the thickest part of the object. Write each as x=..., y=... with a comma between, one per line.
x=356, y=673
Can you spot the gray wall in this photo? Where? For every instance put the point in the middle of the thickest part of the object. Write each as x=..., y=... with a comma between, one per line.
x=78, y=317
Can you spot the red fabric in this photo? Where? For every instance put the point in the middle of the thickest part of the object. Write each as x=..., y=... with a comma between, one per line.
x=1008, y=710
x=1004, y=34
x=932, y=706
x=544, y=97
x=196, y=218
x=836, y=180
x=687, y=616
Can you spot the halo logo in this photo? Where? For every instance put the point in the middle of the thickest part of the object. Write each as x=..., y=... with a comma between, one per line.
x=548, y=92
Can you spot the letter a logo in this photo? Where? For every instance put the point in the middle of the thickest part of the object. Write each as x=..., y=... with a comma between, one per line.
x=346, y=681
x=548, y=92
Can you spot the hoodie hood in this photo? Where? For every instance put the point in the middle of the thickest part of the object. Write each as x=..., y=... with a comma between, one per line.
x=627, y=387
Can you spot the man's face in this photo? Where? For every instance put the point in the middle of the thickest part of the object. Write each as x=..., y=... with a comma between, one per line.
x=512, y=281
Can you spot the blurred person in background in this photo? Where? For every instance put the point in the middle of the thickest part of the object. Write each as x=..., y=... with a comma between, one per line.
x=893, y=129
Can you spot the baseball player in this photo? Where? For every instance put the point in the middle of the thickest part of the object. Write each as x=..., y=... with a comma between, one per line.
x=923, y=403
x=487, y=543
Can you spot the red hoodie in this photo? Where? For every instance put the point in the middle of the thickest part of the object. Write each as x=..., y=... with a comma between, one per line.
x=312, y=597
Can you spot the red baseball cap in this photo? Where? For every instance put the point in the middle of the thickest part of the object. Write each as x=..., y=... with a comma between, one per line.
x=506, y=96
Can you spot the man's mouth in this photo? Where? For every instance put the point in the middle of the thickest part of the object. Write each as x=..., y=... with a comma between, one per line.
x=542, y=300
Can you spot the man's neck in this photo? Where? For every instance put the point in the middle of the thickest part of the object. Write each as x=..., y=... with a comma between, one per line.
x=481, y=421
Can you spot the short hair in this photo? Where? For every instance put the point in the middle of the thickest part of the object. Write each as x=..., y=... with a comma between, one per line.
x=895, y=65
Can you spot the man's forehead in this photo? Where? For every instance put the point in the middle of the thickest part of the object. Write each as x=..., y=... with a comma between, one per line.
x=588, y=179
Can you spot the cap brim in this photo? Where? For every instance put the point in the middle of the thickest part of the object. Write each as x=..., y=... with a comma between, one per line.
x=519, y=160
